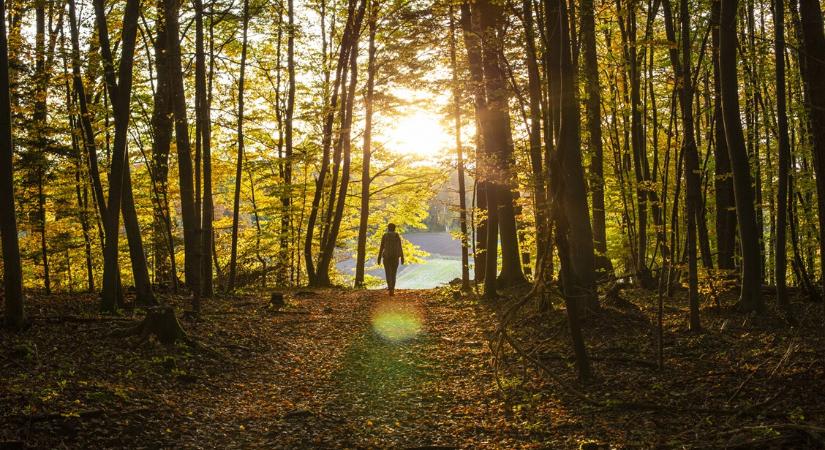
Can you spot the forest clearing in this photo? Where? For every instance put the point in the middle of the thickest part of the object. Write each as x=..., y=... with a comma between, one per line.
x=420, y=224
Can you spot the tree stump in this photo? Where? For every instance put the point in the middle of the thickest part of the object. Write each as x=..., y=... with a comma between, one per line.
x=276, y=301
x=160, y=322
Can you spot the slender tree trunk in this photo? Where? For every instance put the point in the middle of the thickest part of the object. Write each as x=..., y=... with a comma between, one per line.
x=328, y=245
x=536, y=163
x=15, y=317
x=119, y=88
x=204, y=127
x=361, y=255
x=85, y=115
x=750, y=297
x=682, y=70
x=189, y=212
x=472, y=42
x=462, y=190
x=286, y=199
x=780, y=255
x=39, y=118
x=594, y=129
x=233, y=259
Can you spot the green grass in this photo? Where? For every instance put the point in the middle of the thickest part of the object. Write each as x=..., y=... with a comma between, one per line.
x=436, y=271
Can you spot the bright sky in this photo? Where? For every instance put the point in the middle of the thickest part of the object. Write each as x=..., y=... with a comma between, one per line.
x=418, y=132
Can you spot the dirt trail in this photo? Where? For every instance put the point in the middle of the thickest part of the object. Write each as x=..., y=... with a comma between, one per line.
x=407, y=371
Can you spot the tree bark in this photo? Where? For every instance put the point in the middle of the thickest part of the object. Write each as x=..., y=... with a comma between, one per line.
x=571, y=217
x=15, y=317
x=780, y=254
x=813, y=74
x=462, y=190
x=723, y=184
x=119, y=88
x=236, y=204
x=204, y=128
x=682, y=71
x=361, y=256
x=189, y=212
x=750, y=296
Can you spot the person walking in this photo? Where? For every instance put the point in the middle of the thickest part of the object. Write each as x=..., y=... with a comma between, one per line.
x=391, y=252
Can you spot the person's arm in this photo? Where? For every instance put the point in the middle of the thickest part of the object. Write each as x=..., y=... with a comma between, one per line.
x=401, y=247
x=381, y=248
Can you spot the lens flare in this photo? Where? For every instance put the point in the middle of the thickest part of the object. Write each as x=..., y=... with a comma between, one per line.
x=396, y=322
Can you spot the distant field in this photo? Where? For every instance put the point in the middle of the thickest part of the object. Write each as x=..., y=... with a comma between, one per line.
x=435, y=272
x=442, y=266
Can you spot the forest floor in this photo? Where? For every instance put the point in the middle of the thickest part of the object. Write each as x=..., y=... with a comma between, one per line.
x=358, y=369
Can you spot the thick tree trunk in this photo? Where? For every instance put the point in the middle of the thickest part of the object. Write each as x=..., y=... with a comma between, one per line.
x=495, y=126
x=723, y=178
x=813, y=74
x=12, y=274
x=162, y=241
x=574, y=236
x=750, y=297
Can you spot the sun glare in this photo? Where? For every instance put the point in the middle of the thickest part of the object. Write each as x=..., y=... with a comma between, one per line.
x=396, y=322
x=418, y=133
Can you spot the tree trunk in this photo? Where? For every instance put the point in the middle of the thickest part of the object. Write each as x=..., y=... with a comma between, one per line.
x=39, y=118
x=495, y=126
x=536, y=163
x=286, y=199
x=725, y=206
x=574, y=237
x=594, y=126
x=780, y=255
x=204, y=128
x=361, y=256
x=236, y=204
x=328, y=244
x=472, y=42
x=750, y=297
x=119, y=88
x=462, y=190
x=682, y=71
x=813, y=74
x=163, y=244
x=189, y=213
x=12, y=274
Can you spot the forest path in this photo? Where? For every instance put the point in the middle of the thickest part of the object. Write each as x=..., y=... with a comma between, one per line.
x=363, y=369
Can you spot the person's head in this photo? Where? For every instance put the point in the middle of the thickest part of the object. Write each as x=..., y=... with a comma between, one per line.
x=391, y=227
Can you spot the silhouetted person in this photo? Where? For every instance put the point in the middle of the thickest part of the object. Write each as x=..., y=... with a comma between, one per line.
x=391, y=251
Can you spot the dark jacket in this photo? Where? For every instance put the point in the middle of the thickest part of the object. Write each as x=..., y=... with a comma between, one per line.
x=390, y=248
